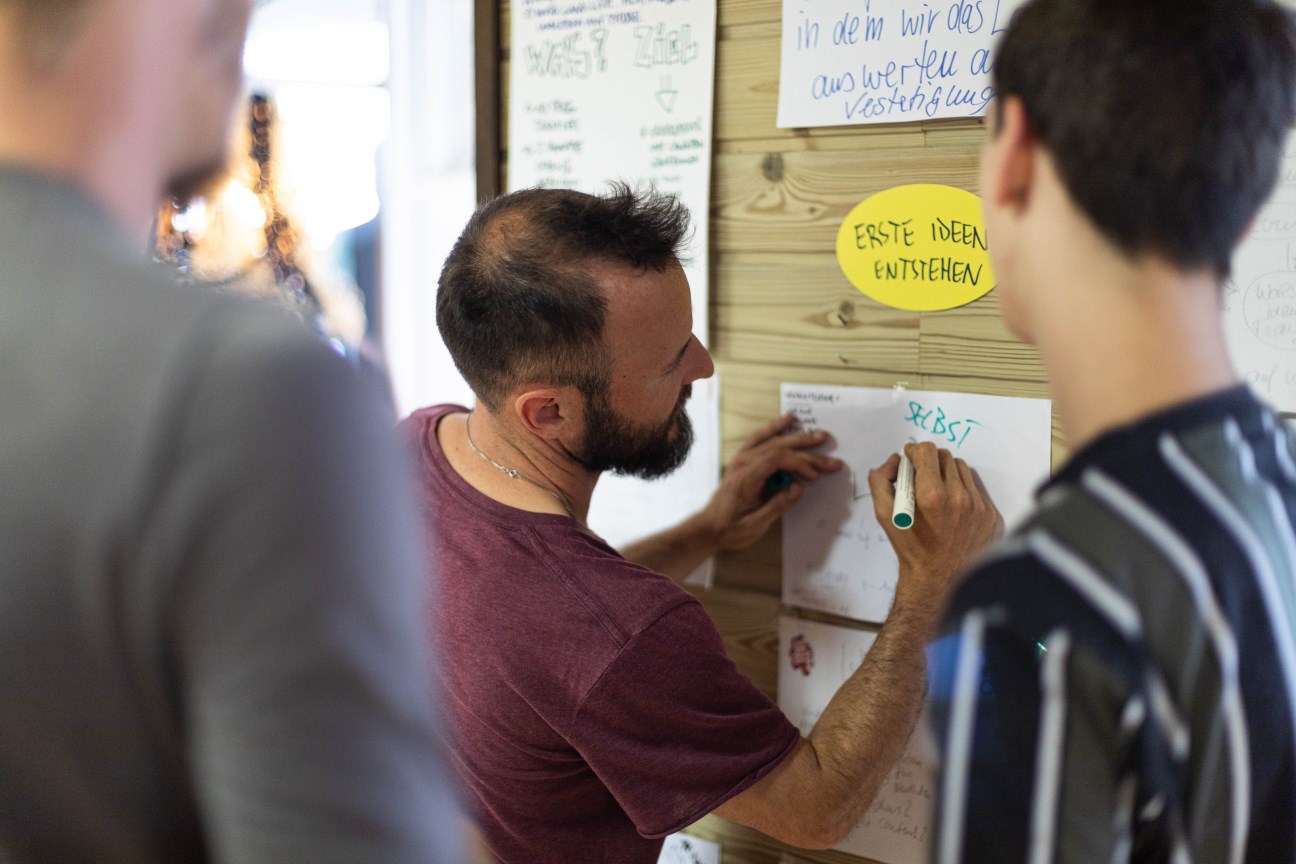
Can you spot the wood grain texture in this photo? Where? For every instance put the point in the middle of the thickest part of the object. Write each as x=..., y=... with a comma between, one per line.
x=736, y=12
x=973, y=341
x=799, y=310
x=489, y=97
x=796, y=201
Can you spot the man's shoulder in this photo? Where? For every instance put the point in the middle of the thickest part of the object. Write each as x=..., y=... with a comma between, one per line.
x=415, y=428
x=561, y=582
x=1054, y=567
x=624, y=597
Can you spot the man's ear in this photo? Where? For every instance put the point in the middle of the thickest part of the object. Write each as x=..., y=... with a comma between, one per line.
x=544, y=411
x=1011, y=156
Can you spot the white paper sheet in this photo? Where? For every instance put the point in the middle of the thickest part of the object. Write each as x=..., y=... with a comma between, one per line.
x=683, y=849
x=604, y=90
x=814, y=660
x=1260, y=298
x=847, y=62
x=836, y=558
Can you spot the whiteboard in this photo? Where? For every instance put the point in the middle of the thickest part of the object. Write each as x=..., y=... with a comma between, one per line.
x=851, y=62
x=604, y=90
x=836, y=558
x=814, y=660
x=1260, y=297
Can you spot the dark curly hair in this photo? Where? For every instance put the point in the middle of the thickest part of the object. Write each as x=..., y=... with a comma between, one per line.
x=518, y=300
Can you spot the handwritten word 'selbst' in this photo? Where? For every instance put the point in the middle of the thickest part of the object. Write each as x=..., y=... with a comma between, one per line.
x=935, y=422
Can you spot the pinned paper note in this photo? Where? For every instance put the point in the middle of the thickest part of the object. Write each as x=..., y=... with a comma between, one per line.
x=1260, y=296
x=685, y=849
x=814, y=661
x=887, y=61
x=836, y=558
x=920, y=247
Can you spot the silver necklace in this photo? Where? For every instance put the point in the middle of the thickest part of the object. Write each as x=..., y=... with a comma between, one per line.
x=514, y=474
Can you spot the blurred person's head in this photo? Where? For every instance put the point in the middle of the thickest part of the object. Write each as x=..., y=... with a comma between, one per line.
x=132, y=99
x=1162, y=122
x=572, y=313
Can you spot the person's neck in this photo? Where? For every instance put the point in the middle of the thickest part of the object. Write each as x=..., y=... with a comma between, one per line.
x=499, y=446
x=1127, y=339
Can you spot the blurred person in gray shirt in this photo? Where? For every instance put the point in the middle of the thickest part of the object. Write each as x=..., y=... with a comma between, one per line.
x=210, y=632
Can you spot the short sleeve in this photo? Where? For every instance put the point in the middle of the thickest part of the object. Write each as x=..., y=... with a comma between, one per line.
x=673, y=729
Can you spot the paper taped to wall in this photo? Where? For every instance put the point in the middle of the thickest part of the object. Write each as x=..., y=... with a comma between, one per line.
x=814, y=660
x=836, y=558
x=1260, y=296
x=847, y=62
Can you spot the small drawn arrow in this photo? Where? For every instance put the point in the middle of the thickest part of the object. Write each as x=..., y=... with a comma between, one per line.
x=666, y=95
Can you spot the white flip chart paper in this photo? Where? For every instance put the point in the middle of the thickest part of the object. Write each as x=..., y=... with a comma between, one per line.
x=836, y=558
x=1260, y=297
x=850, y=62
x=814, y=660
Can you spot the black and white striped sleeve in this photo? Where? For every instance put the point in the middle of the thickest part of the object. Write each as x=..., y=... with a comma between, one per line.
x=1036, y=740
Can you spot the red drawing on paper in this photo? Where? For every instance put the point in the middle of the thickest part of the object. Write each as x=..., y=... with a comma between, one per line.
x=801, y=655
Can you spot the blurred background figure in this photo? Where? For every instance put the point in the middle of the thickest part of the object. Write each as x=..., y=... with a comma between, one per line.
x=242, y=232
x=210, y=643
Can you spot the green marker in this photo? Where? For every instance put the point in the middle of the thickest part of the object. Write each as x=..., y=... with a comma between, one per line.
x=778, y=481
x=902, y=514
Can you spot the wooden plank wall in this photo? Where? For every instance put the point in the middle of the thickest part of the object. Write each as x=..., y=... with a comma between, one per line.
x=782, y=311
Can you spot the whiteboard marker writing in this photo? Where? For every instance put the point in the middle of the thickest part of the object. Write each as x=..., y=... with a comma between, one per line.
x=902, y=514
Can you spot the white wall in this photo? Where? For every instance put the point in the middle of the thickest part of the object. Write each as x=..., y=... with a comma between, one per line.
x=430, y=189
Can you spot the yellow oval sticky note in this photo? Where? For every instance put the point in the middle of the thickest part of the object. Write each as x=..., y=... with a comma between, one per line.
x=920, y=247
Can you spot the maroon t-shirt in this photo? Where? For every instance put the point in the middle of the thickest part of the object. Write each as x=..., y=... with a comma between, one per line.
x=592, y=703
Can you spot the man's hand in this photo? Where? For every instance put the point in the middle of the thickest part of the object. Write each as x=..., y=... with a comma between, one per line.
x=954, y=522
x=742, y=510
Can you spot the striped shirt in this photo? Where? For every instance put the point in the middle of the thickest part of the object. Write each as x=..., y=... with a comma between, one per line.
x=1117, y=681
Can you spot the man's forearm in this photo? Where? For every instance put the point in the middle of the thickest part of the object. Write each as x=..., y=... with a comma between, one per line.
x=677, y=551
x=867, y=725
x=824, y=787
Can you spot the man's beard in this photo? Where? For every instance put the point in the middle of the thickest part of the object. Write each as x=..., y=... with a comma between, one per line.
x=614, y=443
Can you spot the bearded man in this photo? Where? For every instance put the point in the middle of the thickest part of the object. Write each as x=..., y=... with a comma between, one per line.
x=593, y=707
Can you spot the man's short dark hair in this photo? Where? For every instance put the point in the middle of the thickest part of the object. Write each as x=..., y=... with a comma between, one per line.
x=1166, y=118
x=519, y=299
